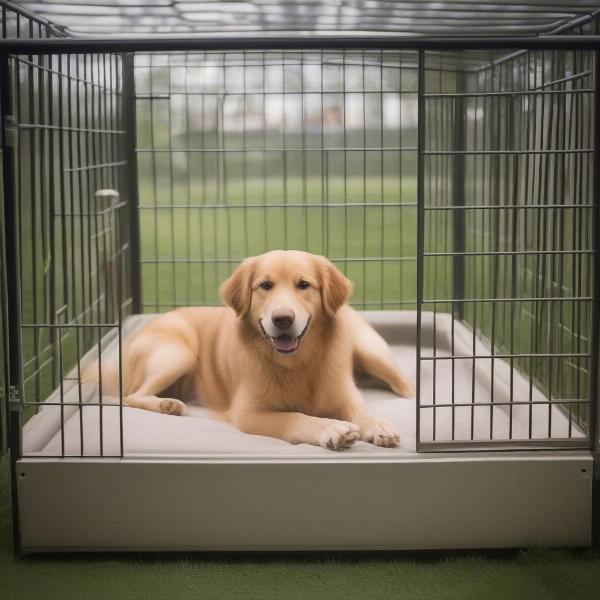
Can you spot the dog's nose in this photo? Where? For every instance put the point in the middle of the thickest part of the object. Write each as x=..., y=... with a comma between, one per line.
x=283, y=318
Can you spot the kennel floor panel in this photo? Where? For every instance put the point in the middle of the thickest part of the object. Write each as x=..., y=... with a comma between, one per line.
x=95, y=431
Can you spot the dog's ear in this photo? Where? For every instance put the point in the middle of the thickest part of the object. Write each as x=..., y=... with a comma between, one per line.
x=236, y=291
x=336, y=289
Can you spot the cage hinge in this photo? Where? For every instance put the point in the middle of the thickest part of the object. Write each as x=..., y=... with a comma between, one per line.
x=11, y=131
x=14, y=399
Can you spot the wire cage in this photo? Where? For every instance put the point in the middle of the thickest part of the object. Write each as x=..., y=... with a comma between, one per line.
x=455, y=184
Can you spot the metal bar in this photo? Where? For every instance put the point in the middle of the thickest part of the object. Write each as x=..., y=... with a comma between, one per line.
x=362, y=259
x=11, y=239
x=458, y=194
x=515, y=252
x=313, y=42
x=130, y=118
x=594, y=386
x=496, y=152
x=506, y=355
x=278, y=205
x=549, y=403
x=510, y=93
x=548, y=206
x=515, y=300
x=420, y=232
x=278, y=149
x=506, y=445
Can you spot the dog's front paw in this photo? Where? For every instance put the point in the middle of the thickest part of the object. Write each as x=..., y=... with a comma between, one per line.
x=339, y=435
x=171, y=406
x=381, y=433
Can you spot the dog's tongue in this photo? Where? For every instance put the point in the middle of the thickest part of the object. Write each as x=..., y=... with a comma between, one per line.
x=285, y=343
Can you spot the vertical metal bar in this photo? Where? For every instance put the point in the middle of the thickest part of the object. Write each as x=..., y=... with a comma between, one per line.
x=5, y=416
x=594, y=388
x=13, y=289
x=130, y=140
x=171, y=168
x=381, y=185
x=458, y=194
x=420, y=226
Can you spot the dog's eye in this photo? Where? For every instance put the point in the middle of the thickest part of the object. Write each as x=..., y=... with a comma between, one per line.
x=302, y=285
x=266, y=285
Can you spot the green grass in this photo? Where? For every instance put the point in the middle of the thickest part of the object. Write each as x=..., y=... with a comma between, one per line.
x=180, y=246
x=532, y=574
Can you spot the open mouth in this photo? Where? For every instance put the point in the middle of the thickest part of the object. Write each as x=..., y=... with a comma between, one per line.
x=284, y=343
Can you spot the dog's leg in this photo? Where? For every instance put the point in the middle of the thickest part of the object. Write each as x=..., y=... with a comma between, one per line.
x=372, y=355
x=297, y=428
x=160, y=368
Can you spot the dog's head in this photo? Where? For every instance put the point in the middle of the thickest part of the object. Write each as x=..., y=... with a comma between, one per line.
x=282, y=292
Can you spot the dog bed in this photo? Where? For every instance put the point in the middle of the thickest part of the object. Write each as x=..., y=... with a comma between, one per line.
x=93, y=431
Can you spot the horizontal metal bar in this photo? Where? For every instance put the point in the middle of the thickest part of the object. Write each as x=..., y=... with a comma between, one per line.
x=248, y=150
x=493, y=356
x=510, y=93
x=84, y=457
x=183, y=261
x=494, y=300
x=292, y=42
x=274, y=92
x=82, y=404
x=507, y=206
x=67, y=325
x=510, y=253
x=281, y=205
x=377, y=303
x=509, y=152
x=472, y=405
x=508, y=445
x=255, y=58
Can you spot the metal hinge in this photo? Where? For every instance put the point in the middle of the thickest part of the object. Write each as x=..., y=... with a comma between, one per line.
x=14, y=399
x=11, y=131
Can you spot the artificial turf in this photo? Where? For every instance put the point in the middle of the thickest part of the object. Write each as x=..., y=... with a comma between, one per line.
x=523, y=575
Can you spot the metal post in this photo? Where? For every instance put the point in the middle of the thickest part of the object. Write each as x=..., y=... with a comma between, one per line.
x=458, y=196
x=132, y=192
x=420, y=227
x=13, y=287
x=594, y=413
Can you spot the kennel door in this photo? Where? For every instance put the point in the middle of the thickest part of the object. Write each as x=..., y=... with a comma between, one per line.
x=505, y=253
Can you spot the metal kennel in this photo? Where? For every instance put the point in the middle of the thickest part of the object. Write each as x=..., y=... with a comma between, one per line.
x=454, y=179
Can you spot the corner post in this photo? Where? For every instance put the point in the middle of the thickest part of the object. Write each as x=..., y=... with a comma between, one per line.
x=594, y=388
x=13, y=285
x=129, y=118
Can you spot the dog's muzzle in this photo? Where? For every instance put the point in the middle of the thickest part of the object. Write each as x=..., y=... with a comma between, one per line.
x=284, y=343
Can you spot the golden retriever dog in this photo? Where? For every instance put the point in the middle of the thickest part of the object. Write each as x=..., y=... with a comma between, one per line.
x=278, y=361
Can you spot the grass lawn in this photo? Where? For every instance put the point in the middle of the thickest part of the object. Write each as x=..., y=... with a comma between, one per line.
x=520, y=575
x=188, y=250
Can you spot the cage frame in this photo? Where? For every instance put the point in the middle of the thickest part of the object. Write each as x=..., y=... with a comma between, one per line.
x=580, y=460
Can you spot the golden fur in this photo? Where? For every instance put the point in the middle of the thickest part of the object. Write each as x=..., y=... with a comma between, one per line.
x=224, y=358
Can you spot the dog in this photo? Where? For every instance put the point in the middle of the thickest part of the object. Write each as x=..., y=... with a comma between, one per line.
x=278, y=361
